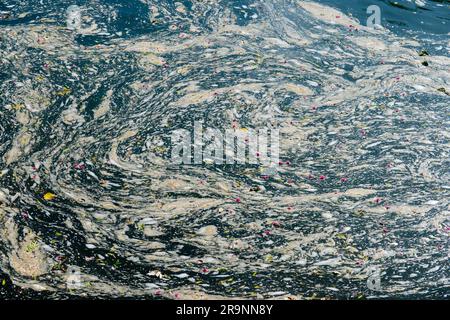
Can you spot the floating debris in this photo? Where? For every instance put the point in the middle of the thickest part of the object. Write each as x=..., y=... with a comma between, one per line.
x=90, y=101
x=49, y=196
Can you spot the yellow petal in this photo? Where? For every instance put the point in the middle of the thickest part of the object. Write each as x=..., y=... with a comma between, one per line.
x=65, y=91
x=49, y=196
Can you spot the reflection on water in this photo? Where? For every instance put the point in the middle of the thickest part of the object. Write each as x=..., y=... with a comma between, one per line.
x=91, y=204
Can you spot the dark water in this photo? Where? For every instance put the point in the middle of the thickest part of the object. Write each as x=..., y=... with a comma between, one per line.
x=91, y=204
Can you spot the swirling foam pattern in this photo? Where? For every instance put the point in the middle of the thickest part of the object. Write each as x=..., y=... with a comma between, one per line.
x=87, y=182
